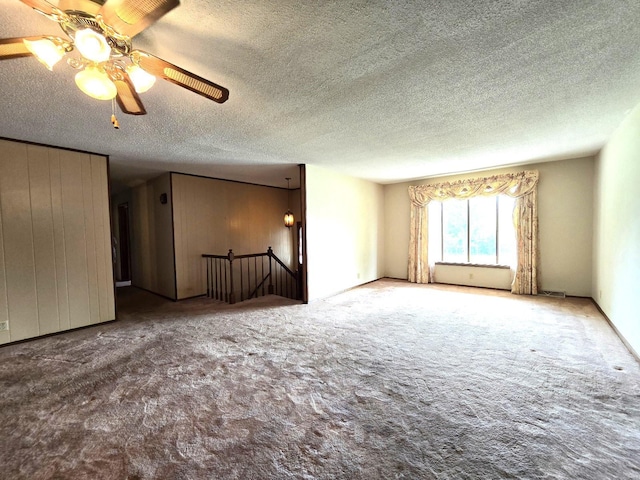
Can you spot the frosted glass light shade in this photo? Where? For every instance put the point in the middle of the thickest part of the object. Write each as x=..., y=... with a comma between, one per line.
x=92, y=45
x=142, y=81
x=96, y=83
x=45, y=50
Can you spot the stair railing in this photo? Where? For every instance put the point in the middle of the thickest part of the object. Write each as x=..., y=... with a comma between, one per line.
x=250, y=276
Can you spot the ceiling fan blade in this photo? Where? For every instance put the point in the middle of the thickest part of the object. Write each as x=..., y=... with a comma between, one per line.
x=15, y=47
x=127, y=97
x=89, y=6
x=130, y=17
x=40, y=5
x=167, y=71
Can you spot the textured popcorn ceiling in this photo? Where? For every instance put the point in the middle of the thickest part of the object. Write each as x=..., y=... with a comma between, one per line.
x=384, y=90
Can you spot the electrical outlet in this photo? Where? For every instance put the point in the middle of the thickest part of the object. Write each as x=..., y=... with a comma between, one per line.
x=4, y=326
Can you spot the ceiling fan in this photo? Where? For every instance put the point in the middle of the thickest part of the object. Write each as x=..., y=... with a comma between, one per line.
x=108, y=66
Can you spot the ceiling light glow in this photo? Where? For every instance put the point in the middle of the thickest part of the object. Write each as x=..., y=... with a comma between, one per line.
x=47, y=51
x=96, y=83
x=92, y=45
x=142, y=81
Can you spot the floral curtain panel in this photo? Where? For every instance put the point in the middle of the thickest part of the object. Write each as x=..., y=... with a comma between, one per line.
x=521, y=185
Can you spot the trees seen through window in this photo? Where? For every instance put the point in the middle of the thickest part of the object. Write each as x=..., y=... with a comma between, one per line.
x=476, y=231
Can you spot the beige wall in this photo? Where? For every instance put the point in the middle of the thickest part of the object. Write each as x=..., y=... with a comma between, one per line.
x=616, y=253
x=474, y=276
x=152, y=257
x=55, y=249
x=213, y=216
x=565, y=213
x=345, y=240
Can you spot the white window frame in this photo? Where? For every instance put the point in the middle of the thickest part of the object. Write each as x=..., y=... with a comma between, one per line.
x=497, y=263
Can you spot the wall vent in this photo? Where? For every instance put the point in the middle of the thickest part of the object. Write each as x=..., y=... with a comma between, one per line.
x=551, y=293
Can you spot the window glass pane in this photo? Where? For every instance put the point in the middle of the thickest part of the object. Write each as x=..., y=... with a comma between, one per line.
x=454, y=231
x=507, y=234
x=482, y=229
x=435, y=232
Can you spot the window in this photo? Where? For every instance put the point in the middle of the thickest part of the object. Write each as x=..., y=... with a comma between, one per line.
x=477, y=231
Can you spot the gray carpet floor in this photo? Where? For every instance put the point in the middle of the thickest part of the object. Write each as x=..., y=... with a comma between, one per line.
x=390, y=380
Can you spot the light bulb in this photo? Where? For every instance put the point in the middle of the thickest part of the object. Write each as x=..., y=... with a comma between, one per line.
x=142, y=81
x=45, y=50
x=288, y=219
x=96, y=83
x=92, y=45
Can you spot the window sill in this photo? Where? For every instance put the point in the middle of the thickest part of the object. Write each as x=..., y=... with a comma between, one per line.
x=483, y=265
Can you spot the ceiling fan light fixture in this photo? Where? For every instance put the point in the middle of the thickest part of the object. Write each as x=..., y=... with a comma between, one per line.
x=92, y=45
x=96, y=83
x=107, y=66
x=46, y=50
x=142, y=81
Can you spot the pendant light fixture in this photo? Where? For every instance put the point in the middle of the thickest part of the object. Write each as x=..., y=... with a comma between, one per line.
x=288, y=216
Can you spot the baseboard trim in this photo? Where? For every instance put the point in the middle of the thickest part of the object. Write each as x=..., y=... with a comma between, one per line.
x=151, y=291
x=189, y=298
x=620, y=336
x=342, y=291
x=53, y=334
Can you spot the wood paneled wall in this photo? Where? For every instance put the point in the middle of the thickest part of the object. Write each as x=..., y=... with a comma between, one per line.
x=152, y=264
x=212, y=216
x=55, y=243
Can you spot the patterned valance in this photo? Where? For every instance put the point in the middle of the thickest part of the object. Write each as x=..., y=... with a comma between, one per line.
x=511, y=184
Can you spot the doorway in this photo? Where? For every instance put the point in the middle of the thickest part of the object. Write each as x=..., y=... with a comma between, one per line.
x=124, y=249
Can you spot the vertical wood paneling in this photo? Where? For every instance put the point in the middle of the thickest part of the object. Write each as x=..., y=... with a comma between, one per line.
x=4, y=299
x=152, y=237
x=176, y=194
x=186, y=225
x=60, y=257
x=141, y=236
x=194, y=234
x=55, y=252
x=43, y=239
x=182, y=238
x=75, y=241
x=98, y=207
x=18, y=242
x=136, y=241
x=152, y=246
x=163, y=238
x=106, y=255
x=211, y=216
x=146, y=237
x=90, y=239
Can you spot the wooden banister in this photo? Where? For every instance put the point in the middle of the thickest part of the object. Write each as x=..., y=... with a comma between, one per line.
x=223, y=271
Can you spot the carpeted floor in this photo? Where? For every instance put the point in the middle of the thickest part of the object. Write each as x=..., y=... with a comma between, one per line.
x=389, y=380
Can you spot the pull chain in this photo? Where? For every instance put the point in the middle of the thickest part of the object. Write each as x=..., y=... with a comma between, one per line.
x=114, y=120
